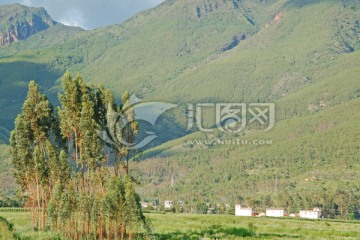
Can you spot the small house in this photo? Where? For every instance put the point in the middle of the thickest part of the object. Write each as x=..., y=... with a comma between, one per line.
x=144, y=204
x=243, y=212
x=275, y=212
x=168, y=204
x=310, y=214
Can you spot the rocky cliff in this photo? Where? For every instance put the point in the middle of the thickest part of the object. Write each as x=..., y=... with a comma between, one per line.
x=18, y=22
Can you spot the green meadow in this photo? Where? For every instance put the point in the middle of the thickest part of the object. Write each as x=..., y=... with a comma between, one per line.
x=190, y=226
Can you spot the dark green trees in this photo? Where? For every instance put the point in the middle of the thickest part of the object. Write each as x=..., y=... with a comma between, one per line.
x=64, y=166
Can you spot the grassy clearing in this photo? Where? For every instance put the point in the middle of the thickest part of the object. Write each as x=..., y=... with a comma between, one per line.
x=183, y=226
x=22, y=227
x=5, y=229
x=230, y=227
x=5, y=234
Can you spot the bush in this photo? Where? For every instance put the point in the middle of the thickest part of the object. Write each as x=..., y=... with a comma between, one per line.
x=252, y=228
x=351, y=216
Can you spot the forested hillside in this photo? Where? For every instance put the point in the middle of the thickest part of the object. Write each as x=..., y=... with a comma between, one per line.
x=8, y=186
x=303, y=162
x=301, y=55
x=213, y=51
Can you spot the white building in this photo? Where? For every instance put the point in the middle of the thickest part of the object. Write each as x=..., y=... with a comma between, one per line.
x=311, y=214
x=144, y=204
x=244, y=212
x=276, y=212
x=168, y=204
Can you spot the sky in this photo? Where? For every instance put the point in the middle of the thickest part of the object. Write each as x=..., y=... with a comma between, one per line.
x=89, y=14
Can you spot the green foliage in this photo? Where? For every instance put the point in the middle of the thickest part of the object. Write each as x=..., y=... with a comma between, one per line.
x=252, y=228
x=64, y=169
x=305, y=60
x=315, y=160
x=8, y=185
x=308, y=44
x=351, y=216
x=6, y=229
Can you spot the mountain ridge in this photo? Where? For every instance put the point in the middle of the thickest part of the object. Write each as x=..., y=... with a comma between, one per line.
x=301, y=55
x=142, y=57
x=20, y=22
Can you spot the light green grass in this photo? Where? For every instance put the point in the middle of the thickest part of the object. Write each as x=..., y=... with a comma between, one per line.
x=169, y=226
x=184, y=226
x=5, y=234
x=22, y=226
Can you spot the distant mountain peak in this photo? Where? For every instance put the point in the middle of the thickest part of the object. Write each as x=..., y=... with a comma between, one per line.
x=18, y=22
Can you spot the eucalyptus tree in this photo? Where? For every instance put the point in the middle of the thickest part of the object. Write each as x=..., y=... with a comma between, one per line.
x=63, y=163
x=33, y=151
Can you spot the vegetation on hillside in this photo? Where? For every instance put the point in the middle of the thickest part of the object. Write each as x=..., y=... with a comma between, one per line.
x=312, y=161
x=302, y=55
x=8, y=186
x=282, y=47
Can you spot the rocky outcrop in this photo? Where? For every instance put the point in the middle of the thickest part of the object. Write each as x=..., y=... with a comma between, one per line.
x=22, y=26
x=278, y=16
x=236, y=40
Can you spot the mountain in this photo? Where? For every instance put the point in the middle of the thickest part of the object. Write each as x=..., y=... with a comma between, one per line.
x=301, y=55
x=21, y=29
x=19, y=22
x=8, y=184
x=224, y=47
x=302, y=161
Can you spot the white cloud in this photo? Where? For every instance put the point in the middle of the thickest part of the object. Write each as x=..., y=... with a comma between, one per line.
x=89, y=13
x=27, y=2
x=73, y=17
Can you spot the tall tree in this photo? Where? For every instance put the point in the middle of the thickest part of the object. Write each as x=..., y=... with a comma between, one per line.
x=60, y=160
x=31, y=141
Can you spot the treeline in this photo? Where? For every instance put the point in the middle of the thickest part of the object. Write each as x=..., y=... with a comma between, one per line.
x=9, y=201
x=63, y=165
x=341, y=202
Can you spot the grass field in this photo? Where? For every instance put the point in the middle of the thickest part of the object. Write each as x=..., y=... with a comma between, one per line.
x=5, y=233
x=183, y=226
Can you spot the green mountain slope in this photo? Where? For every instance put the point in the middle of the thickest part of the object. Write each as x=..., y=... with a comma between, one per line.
x=312, y=151
x=106, y=53
x=8, y=186
x=18, y=23
x=211, y=51
x=22, y=29
x=307, y=161
x=301, y=55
